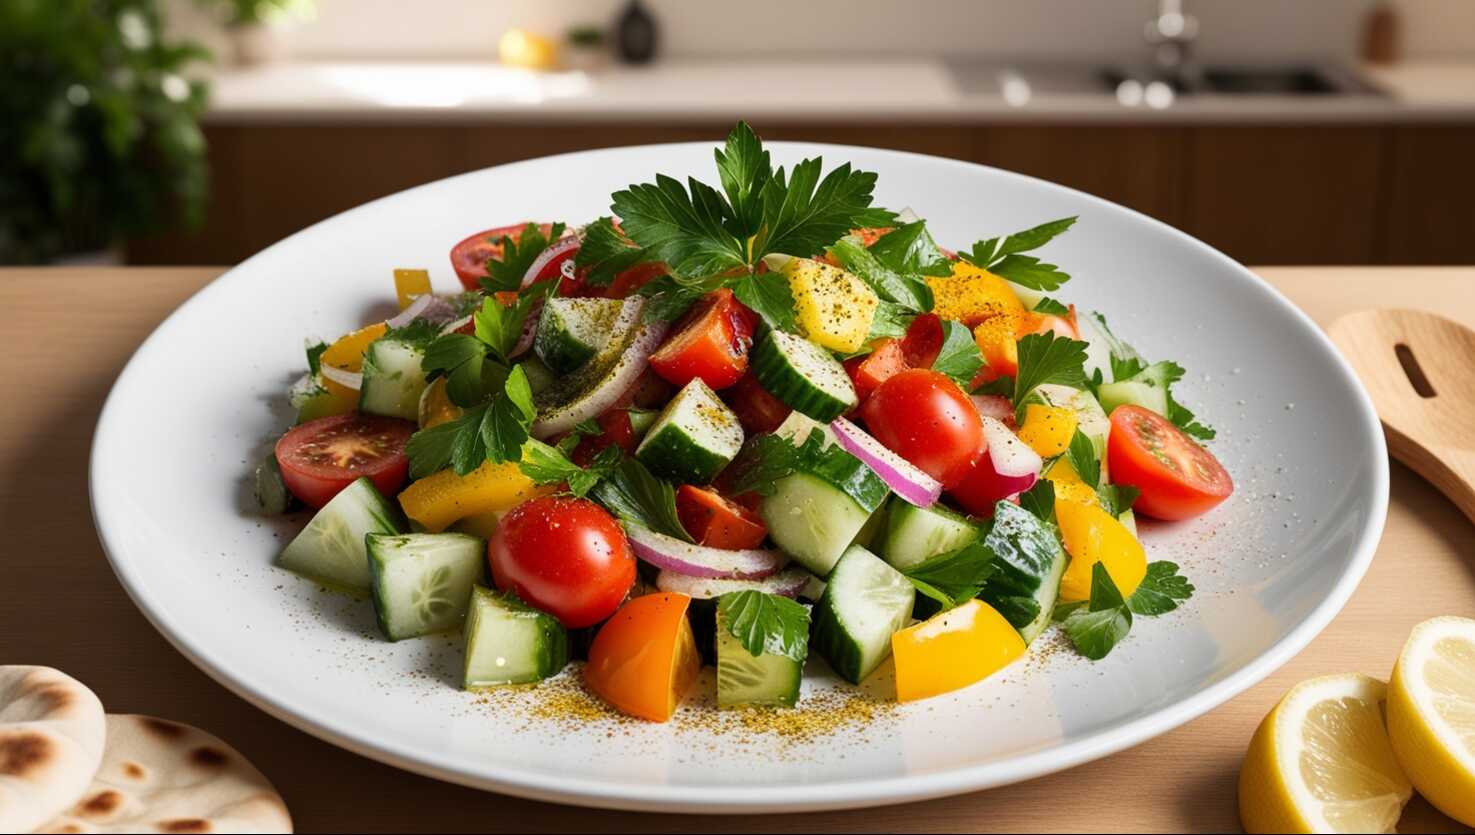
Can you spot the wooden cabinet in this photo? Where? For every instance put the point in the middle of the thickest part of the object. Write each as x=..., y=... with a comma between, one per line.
x=1429, y=215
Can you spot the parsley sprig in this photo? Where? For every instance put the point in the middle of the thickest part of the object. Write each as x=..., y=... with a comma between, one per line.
x=1096, y=626
x=1044, y=358
x=765, y=459
x=955, y=577
x=959, y=357
x=1002, y=256
x=606, y=252
x=765, y=624
x=1127, y=363
x=506, y=272
x=635, y=495
x=493, y=431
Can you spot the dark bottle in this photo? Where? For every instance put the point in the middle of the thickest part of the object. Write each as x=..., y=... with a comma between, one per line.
x=636, y=34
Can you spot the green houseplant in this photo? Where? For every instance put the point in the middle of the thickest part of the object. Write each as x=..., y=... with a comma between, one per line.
x=99, y=133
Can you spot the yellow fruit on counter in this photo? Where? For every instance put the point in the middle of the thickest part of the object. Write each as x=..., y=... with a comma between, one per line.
x=1431, y=714
x=1322, y=762
x=527, y=50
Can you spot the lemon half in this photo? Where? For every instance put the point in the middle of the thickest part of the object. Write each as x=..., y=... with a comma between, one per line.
x=1431, y=714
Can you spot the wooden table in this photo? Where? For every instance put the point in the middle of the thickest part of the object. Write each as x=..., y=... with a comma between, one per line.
x=69, y=331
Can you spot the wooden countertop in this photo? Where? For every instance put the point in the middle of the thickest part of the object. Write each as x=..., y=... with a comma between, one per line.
x=71, y=330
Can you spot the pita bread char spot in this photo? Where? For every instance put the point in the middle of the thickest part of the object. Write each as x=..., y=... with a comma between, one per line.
x=21, y=753
x=51, y=740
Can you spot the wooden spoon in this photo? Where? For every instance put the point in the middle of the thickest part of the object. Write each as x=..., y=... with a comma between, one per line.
x=1420, y=371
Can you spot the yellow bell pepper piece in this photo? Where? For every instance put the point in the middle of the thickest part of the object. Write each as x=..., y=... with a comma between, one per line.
x=1092, y=535
x=952, y=650
x=972, y=294
x=482, y=524
x=410, y=283
x=436, y=406
x=1048, y=429
x=833, y=307
x=438, y=500
x=348, y=354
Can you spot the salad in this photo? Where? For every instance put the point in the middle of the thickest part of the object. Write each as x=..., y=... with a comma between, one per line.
x=742, y=425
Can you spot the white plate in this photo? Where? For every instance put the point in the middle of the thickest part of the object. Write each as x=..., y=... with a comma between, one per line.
x=1273, y=565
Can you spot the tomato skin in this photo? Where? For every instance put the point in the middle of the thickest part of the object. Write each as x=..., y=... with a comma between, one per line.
x=925, y=418
x=1179, y=479
x=757, y=410
x=627, y=282
x=711, y=342
x=617, y=432
x=564, y=555
x=983, y=487
x=717, y=522
x=376, y=446
x=645, y=659
x=923, y=341
x=469, y=257
x=883, y=362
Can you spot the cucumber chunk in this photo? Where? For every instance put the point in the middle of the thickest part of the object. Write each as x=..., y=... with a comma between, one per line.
x=394, y=379
x=509, y=642
x=916, y=534
x=331, y=548
x=746, y=679
x=422, y=581
x=1029, y=563
x=572, y=331
x=695, y=436
x=806, y=377
x=865, y=602
x=272, y=495
x=812, y=520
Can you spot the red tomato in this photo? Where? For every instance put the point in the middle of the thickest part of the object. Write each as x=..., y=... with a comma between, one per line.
x=711, y=342
x=716, y=522
x=323, y=456
x=923, y=341
x=1178, y=478
x=873, y=369
x=469, y=257
x=757, y=410
x=564, y=555
x=983, y=487
x=617, y=432
x=645, y=659
x=925, y=418
x=633, y=279
x=1047, y=323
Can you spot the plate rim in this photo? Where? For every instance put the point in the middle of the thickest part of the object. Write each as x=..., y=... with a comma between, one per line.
x=841, y=794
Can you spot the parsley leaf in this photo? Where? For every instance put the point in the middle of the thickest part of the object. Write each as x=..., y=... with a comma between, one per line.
x=1125, y=361
x=1117, y=498
x=1185, y=420
x=959, y=357
x=1047, y=358
x=637, y=497
x=954, y=577
x=1104, y=623
x=1040, y=500
x=1001, y=257
x=1050, y=306
x=745, y=169
x=459, y=357
x=506, y=273
x=500, y=326
x=767, y=458
x=765, y=623
x=1082, y=457
x=546, y=464
x=315, y=357
x=1160, y=591
x=493, y=431
x=909, y=291
x=685, y=231
x=769, y=297
x=669, y=296
x=891, y=320
x=910, y=249
x=804, y=214
x=605, y=252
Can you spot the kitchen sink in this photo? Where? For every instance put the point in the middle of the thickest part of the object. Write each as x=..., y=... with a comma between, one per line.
x=1246, y=81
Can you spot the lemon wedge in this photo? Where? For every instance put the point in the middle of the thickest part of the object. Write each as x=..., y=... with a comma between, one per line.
x=1431, y=714
x=1322, y=762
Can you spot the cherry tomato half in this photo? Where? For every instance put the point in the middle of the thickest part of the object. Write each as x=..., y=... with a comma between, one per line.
x=1178, y=478
x=871, y=370
x=617, y=431
x=717, y=522
x=925, y=418
x=757, y=410
x=711, y=342
x=564, y=555
x=323, y=456
x=645, y=659
x=469, y=257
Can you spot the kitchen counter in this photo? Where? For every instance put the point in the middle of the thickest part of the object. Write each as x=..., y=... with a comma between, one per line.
x=63, y=606
x=775, y=89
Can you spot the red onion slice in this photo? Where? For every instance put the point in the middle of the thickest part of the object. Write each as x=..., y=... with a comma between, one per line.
x=791, y=582
x=615, y=382
x=457, y=325
x=529, y=330
x=348, y=379
x=554, y=250
x=671, y=554
x=1010, y=456
x=430, y=307
x=905, y=480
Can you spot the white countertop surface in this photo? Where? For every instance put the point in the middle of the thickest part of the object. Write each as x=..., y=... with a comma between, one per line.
x=783, y=90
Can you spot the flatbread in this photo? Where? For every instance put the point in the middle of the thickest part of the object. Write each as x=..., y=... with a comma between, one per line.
x=162, y=776
x=51, y=738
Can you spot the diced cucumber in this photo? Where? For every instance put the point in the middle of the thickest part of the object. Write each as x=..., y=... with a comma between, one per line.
x=797, y=427
x=331, y=548
x=1098, y=349
x=569, y=394
x=641, y=421
x=806, y=377
x=311, y=399
x=812, y=520
x=271, y=492
x=916, y=534
x=865, y=602
x=1129, y=521
x=422, y=581
x=539, y=375
x=746, y=679
x=393, y=379
x=1028, y=563
x=1147, y=388
x=571, y=331
x=510, y=642
x=695, y=436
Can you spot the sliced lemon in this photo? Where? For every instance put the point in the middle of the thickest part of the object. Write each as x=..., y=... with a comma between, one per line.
x=1321, y=762
x=1431, y=714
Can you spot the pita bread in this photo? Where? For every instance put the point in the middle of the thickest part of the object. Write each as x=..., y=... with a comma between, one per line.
x=51, y=737
x=161, y=776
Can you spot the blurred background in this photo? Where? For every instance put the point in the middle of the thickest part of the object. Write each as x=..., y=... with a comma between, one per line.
x=200, y=131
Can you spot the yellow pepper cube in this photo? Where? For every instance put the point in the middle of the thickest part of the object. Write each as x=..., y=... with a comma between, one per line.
x=348, y=354
x=834, y=308
x=1092, y=535
x=439, y=500
x=410, y=283
x=952, y=650
x=1048, y=429
x=972, y=294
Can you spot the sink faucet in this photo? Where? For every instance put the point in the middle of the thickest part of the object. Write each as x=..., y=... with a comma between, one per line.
x=1171, y=35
